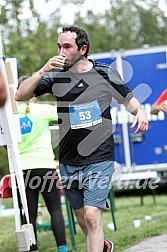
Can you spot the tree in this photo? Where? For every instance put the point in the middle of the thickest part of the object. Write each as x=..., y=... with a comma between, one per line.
x=127, y=24
x=30, y=40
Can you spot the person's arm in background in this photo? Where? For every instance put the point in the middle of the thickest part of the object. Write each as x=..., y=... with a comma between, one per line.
x=155, y=108
x=133, y=106
x=160, y=104
x=3, y=94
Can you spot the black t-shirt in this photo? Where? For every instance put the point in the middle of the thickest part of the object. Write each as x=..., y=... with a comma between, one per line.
x=85, y=123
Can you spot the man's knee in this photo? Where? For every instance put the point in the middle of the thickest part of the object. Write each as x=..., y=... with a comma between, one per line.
x=92, y=216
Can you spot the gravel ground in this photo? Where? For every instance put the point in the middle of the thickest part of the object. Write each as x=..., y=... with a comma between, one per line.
x=153, y=244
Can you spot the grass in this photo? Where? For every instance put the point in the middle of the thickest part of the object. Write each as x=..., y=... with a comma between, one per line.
x=127, y=209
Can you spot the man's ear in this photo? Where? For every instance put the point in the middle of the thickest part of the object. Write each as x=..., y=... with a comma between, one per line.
x=83, y=49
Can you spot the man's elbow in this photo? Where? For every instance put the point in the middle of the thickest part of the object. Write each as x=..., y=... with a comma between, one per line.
x=18, y=97
x=21, y=97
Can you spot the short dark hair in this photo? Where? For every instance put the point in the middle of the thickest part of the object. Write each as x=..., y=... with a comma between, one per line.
x=82, y=37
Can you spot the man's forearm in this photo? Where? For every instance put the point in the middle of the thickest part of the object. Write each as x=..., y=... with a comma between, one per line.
x=27, y=87
x=133, y=106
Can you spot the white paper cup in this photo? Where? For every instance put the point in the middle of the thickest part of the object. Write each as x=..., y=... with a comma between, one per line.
x=111, y=226
x=148, y=218
x=137, y=223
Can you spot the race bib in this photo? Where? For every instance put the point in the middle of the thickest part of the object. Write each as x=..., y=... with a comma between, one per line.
x=85, y=115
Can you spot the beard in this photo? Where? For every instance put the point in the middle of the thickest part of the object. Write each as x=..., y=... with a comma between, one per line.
x=75, y=61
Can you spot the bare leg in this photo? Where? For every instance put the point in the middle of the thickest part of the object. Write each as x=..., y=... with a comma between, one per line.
x=90, y=220
x=79, y=213
x=95, y=237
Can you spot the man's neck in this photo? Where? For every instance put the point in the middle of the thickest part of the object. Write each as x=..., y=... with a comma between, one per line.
x=81, y=66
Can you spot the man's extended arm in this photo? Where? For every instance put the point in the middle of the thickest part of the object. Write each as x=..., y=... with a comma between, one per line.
x=27, y=87
x=133, y=106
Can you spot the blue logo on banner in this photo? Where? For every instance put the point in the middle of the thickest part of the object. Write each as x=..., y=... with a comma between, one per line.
x=25, y=125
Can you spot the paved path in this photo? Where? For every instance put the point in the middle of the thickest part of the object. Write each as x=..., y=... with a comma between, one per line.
x=153, y=244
